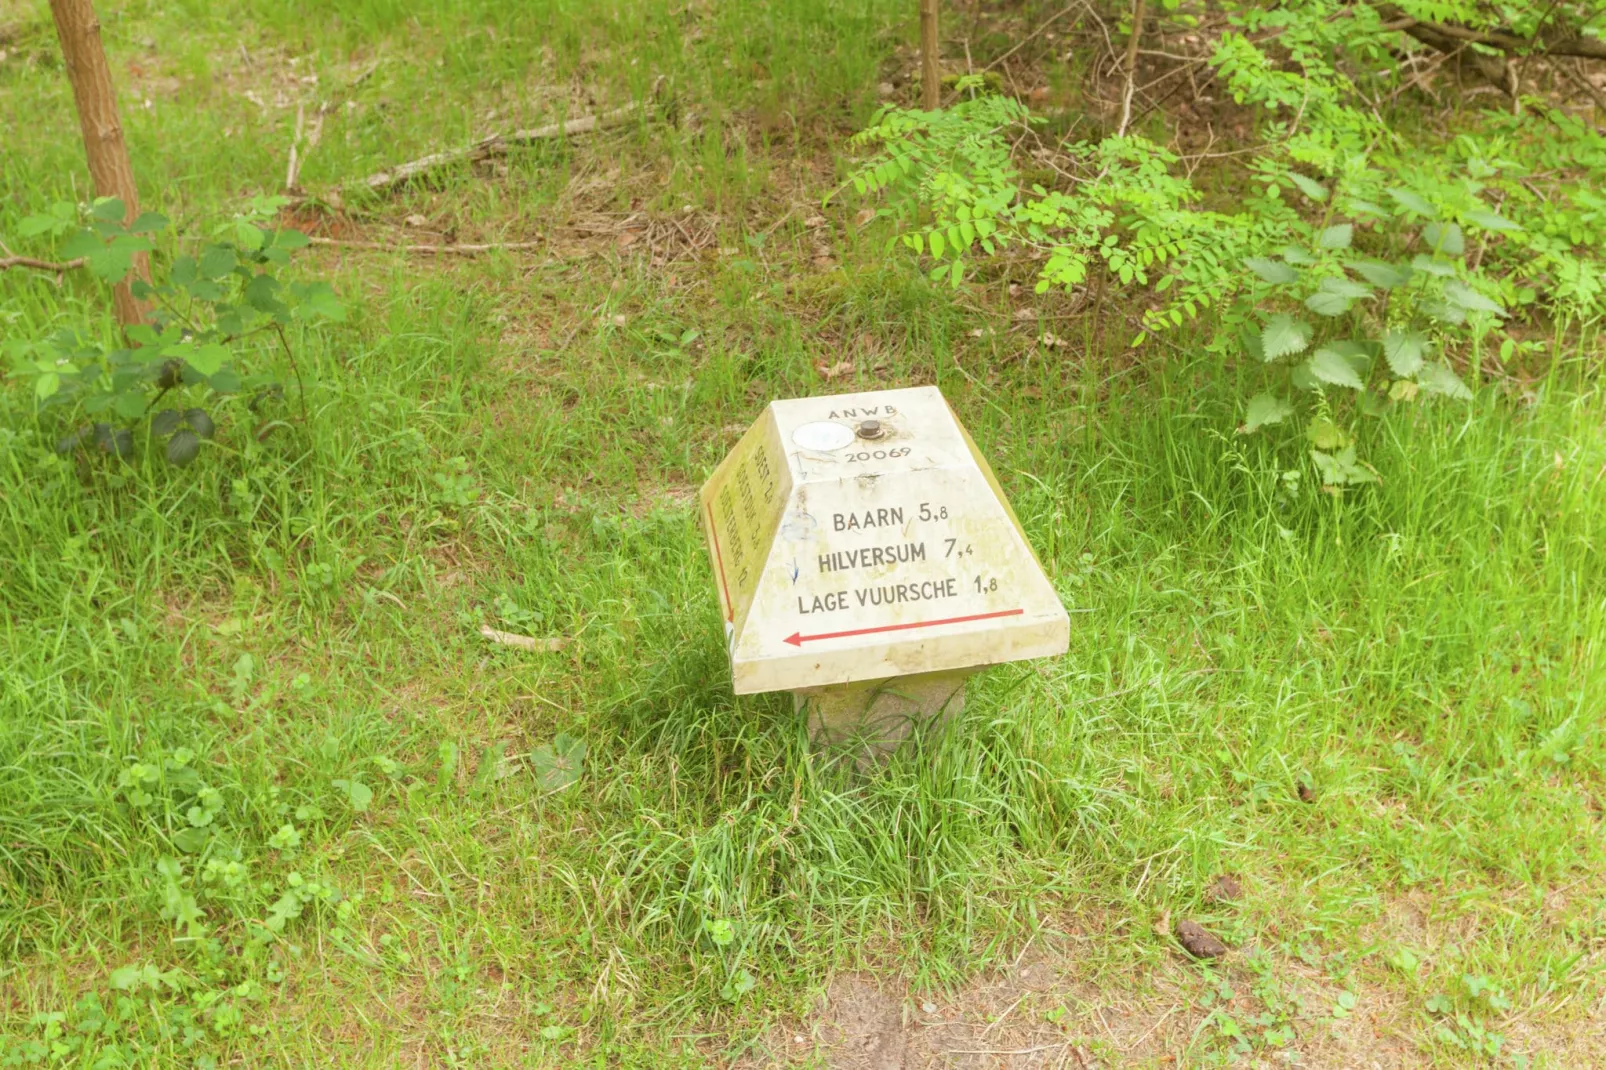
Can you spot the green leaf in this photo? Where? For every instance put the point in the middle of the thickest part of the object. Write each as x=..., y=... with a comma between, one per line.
x=1378, y=273
x=206, y=359
x=192, y=840
x=1432, y=266
x=1330, y=366
x=1403, y=351
x=39, y=224
x=1324, y=303
x=1342, y=287
x=1273, y=271
x=559, y=765
x=1265, y=409
x=1439, y=379
x=165, y=422
x=957, y=273
x=108, y=210
x=1284, y=336
x=1309, y=187
x=1295, y=255
x=217, y=261
x=1445, y=311
x=1470, y=299
x=1411, y=202
x=1336, y=237
x=1445, y=238
x=200, y=422
x=129, y=405
x=126, y=978
x=46, y=385
x=289, y=238
x=1324, y=434
x=183, y=448
x=148, y=223
x=1492, y=221
x=360, y=795
x=936, y=240
x=1342, y=467
x=249, y=237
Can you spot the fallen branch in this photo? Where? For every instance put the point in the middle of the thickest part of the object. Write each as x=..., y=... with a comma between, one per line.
x=1564, y=44
x=459, y=250
x=496, y=144
x=54, y=267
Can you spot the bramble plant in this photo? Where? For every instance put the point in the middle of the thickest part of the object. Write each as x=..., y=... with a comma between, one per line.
x=1358, y=262
x=203, y=343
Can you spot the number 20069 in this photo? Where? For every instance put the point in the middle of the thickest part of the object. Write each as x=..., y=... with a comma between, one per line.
x=879, y=455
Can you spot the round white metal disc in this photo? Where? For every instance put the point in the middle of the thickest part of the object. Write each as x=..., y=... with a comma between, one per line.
x=822, y=436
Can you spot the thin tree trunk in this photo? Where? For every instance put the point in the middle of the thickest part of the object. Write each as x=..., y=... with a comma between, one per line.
x=930, y=77
x=79, y=30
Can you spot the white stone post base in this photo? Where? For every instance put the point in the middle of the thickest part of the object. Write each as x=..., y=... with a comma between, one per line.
x=880, y=714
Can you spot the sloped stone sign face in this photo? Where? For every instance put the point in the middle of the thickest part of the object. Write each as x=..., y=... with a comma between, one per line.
x=864, y=536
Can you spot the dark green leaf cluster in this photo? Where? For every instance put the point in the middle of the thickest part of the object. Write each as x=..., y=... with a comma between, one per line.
x=212, y=311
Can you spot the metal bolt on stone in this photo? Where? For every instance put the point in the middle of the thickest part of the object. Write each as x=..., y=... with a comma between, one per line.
x=867, y=561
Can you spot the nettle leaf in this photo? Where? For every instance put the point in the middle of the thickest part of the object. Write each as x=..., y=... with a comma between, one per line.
x=182, y=448
x=1309, y=187
x=1283, y=336
x=1295, y=255
x=1265, y=409
x=1357, y=206
x=1445, y=312
x=1330, y=366
x=1445, y=238
x=1412, y=202
x=1336, y=237
x=165, y=422
x=1471, y=300
x=1492, y=221
x=1439, y=379
x=1432, y=266
x=1403, y=350
x=1381, y=274
x=1273, y=271
x=1326, y=303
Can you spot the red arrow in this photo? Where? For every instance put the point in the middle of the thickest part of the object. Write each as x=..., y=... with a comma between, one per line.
x=719, y=560
x=798, y=638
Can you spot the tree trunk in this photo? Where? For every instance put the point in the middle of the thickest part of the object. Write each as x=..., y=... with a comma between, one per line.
x=930, y=77
x=79, y=30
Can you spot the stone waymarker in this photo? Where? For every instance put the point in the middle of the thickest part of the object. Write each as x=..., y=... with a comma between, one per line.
x=867, y=561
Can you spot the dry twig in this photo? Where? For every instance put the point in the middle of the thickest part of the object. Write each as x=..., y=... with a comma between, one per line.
x=496, y=144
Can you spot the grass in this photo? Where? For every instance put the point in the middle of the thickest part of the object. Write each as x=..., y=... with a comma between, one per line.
x=1373, y=709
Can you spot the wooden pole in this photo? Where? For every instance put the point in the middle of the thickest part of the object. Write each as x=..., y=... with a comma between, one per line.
x=930, y=77
x=78, y=28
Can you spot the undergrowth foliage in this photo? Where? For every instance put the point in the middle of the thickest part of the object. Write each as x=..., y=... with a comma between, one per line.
x=1361, y=261
x=203, y=343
